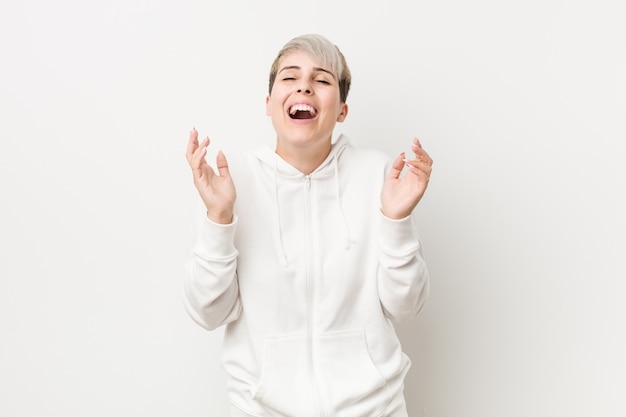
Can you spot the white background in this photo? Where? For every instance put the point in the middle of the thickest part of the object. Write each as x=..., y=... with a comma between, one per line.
x=521, y=104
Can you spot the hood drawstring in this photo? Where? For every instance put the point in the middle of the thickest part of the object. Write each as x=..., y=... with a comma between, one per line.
x=348, y=237
x=348, y=241
x=284, y=260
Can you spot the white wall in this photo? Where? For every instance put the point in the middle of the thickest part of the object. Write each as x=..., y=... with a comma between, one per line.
x=521, y=104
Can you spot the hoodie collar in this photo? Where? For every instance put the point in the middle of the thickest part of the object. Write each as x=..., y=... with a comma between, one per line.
x=269, y=157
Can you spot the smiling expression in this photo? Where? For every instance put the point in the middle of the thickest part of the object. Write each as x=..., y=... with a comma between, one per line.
x=304, y=104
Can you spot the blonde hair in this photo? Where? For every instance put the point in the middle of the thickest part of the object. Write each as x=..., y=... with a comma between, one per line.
x=322, y=50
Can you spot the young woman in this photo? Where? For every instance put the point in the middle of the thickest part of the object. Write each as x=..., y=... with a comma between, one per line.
x=308, y=252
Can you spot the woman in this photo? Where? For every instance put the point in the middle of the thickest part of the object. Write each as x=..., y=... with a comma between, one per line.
x=308, y=252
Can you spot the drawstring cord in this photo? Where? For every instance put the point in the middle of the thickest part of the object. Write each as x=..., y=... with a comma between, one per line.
x=284, y=260
x=338, y=197
x=348, y=236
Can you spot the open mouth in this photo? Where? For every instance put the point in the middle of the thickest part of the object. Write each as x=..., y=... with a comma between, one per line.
x=302, y=111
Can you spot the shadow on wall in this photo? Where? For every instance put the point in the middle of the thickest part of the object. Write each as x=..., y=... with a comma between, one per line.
x=413, y=335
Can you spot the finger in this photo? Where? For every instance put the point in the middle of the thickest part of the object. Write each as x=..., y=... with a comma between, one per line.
x=420, y=166
x=192, y=144
x=421, y=169
x=420, y=153
x=198, y=156
x=196, y=162
x=420, y=158
x=396, y=167
x=222, y=165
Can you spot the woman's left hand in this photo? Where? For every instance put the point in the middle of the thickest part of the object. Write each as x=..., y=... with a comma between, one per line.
x=400, y=195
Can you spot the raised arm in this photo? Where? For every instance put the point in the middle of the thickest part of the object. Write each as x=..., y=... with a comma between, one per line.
x=403, y=279
x=211, y=289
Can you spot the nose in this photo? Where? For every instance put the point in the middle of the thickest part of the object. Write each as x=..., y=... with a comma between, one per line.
x=304, y=87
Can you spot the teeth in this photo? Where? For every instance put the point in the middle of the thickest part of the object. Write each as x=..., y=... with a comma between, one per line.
x=301, y=107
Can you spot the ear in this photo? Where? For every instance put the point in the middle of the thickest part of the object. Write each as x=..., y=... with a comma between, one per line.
x=343, y=113
x=268, y=106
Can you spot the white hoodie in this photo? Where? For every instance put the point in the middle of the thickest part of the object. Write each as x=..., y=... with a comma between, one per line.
x=306, y=279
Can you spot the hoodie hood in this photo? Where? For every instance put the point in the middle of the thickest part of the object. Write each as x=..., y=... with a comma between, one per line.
x=267, y=156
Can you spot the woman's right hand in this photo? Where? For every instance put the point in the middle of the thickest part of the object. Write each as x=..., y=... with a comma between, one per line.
x=217, y=191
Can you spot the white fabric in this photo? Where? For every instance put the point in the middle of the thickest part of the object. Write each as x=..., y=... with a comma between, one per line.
x=306, y=280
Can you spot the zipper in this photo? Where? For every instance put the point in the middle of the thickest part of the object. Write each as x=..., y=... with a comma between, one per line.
x=310, y=283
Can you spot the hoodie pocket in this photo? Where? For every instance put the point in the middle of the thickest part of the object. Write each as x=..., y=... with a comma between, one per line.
x=352, y=383
x=284, y=387
x=346, y=378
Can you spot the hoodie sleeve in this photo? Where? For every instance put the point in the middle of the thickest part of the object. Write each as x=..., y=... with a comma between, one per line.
x=403, y=280
x=211, y=291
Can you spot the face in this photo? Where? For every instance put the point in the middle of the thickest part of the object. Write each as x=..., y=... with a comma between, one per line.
x=304, y=103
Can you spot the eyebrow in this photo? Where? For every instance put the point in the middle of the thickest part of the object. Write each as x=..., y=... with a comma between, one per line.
x=315, y=69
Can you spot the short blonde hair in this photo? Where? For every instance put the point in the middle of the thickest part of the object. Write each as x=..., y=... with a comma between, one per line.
x=322, y=50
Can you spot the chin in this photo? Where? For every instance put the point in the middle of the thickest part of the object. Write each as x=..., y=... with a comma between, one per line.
x=297, y=136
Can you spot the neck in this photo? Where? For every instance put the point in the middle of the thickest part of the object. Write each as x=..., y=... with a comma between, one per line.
x=305, y=159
